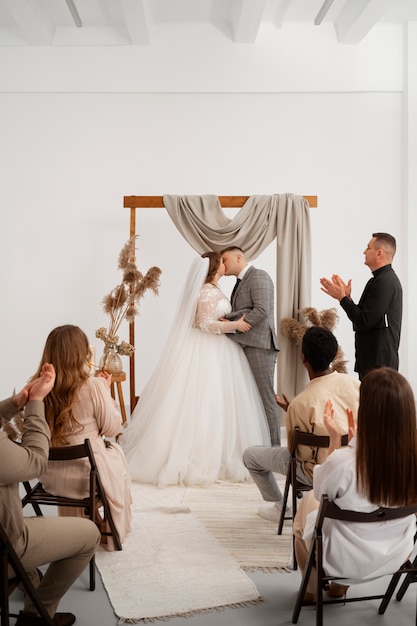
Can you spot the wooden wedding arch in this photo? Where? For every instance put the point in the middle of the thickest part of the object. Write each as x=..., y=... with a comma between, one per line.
x=157, y=202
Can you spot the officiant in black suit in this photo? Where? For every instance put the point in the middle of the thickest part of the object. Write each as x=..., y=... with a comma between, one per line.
x=253, y=297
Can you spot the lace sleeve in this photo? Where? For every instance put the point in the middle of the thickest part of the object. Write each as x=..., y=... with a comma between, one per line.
x=206, y=318
x=212, y=304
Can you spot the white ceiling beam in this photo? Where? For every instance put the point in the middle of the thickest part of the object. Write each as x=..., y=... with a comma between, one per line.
x=246, y=19
x=137, y=20
x=325, y=7
x=281, y=12
x=35, y=26
x=74, y=13
x=357, y=18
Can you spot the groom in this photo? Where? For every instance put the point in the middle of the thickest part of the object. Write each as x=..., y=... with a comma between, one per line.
x=253, y=297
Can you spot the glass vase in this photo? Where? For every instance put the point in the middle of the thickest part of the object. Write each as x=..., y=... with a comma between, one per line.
x=110, y=361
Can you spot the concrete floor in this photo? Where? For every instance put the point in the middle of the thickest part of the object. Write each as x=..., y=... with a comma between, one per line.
x=279, y=593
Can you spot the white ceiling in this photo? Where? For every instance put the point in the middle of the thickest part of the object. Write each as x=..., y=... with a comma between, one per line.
x=148, y=22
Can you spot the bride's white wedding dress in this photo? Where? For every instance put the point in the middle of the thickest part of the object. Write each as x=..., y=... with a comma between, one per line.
x=200, y=409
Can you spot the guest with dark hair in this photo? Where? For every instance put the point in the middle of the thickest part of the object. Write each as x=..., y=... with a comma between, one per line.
x=378, y=468
x=377, y=316
x=318, y=350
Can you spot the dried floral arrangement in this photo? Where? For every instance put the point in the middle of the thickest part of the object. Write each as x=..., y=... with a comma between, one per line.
x=122, y=303
x=327, y=318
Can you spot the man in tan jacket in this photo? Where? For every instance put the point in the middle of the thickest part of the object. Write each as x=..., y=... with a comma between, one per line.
x=306, y=410
x=66, y=543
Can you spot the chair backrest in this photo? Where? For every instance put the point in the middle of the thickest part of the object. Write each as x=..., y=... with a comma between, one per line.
x=382, y=514
x=330, y=510
x=83, y=451
x=312, y=440
x=97, y=495
x=71, y=453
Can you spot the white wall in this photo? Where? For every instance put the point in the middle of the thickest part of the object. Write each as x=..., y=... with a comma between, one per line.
x=297, y=58
x=69, y=158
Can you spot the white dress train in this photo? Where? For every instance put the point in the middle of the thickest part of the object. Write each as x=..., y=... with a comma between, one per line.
x=201, y=408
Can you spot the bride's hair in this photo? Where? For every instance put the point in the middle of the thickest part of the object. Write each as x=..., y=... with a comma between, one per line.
x=214, y=259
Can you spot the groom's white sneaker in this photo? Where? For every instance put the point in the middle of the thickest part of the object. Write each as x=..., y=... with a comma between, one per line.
x=272, y=510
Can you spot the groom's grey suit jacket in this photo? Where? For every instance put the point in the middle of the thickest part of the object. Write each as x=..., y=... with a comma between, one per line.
x=254, y=298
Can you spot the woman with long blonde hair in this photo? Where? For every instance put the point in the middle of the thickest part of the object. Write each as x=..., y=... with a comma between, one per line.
x=80, y=406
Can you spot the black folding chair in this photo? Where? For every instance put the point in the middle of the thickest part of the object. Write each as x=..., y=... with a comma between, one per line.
x=9, y=558
x=314, y=442
x=330, y=510
x=37, y=496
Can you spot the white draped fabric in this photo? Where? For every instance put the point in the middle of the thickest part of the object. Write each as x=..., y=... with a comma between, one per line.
x=203, y=223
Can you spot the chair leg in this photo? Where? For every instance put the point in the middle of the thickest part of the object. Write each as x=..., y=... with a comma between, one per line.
x=30, y=590
x=113, y=532
x=92, y=567
x=284, y=506
x=319, y=587
x=294, y=557
x=299, y=600
x=390, y=590
x=410, y=578
x=4, y=593
x=303, y=588
x=25, y=500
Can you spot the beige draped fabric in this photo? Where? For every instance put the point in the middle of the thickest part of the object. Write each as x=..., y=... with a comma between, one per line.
x=203, y=223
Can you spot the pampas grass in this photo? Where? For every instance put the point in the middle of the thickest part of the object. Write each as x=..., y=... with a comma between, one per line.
x=327, y=318
x=122, y=303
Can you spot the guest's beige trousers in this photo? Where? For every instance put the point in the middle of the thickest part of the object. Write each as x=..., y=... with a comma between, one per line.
x=302, y=547
x=67, y=544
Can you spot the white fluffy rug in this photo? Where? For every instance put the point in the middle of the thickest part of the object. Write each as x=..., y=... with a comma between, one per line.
x=172, y=565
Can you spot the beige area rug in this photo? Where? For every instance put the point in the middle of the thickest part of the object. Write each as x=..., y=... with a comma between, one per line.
x=229, y=512
x=186, y=552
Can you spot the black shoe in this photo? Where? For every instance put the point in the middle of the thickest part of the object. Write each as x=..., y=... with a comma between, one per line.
x=59, y=619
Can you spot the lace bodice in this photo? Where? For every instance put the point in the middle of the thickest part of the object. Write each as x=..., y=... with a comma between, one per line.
x=212, y=304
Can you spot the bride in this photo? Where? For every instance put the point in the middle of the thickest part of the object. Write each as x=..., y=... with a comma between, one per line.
x=201, y=407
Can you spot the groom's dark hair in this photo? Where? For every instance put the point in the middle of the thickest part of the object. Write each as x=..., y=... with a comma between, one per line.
x=230, y=248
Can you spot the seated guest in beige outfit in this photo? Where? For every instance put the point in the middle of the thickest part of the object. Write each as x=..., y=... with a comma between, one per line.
x=377, y=468
x=80, y=406
x=67, y=545
x=318, y=350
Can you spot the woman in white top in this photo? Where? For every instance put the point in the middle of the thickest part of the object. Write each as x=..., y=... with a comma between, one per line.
x=378, y=468
x=201, y=407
